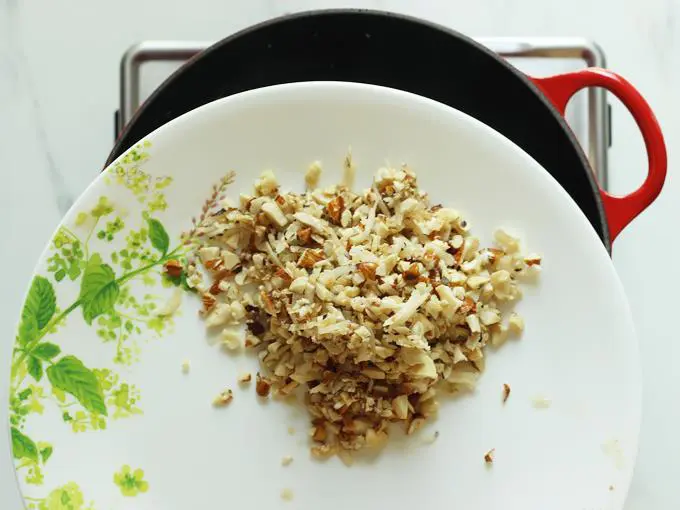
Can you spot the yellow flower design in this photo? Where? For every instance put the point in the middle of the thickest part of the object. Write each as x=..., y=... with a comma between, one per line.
x=131, y=483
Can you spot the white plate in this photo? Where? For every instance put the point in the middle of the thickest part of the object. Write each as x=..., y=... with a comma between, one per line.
x=579, y=349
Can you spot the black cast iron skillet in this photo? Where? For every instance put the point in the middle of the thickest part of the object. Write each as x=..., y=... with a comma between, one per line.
x=426, y=59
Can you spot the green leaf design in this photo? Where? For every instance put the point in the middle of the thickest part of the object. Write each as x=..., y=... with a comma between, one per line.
x=98, y=289
x=28, y=330
x=70, y=375
x=103, y=208
x=46, y=351
x=158, y=236
x=23, y=446
x=41, y=302
x=46, y=453
x=34, y=367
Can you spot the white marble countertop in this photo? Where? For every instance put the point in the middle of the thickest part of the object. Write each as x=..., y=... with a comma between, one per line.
x=59, y=87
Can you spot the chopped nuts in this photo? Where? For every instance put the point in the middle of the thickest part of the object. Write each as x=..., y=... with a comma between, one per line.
x=400, y=406
x=231, y=339
x=369, y=304
x=334, y=208
x=266, y=184
x=415, y=425
x=313, y=174
x=516, y=323
x=274, y=213
x=432, y=438
x=287, y=495
x=489, y=456
x=171, y=305
x=411, y=274
x=304, y=235
x=245, y=378
x=223, y=399
x=506, y=392
x=214, y=265
x=532, y=260
x=309, y=258
x=367, y=269
x=541, y=402
x=173, y=268
x=468, y=306
x=349, y=172
x=262, y=386
x=208, y=302
x=509, y=243
x=283, y=274
x=319, y=433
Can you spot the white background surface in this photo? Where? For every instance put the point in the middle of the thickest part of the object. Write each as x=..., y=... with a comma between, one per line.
x=59, y=87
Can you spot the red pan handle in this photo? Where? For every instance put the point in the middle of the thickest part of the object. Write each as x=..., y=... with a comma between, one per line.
x=620, y=211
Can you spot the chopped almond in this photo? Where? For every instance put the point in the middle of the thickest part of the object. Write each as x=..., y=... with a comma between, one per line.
x=208, y=301
x=468, y=306
x=411, y=274
x=287, y=495
x=262, y=386
x=215, y=288
x=367, y=269
x=223, y=399
x=283, y=274
x=367, y=304
x=173, y=268
x=309, y=258
x=267, y=303
x=319, y=434
x=214, y=264
x=335, y=208
x=506, y=392
x=304, y=235
x=532, y=260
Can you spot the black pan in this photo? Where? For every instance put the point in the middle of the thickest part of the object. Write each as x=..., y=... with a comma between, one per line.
x=426, y=59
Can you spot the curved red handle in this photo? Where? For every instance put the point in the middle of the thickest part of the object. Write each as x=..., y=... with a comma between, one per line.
x=620, y=211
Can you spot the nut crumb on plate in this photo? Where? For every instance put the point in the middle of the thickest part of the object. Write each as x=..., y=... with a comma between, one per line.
x=262, y=385
x=244, y=378
x=186, y=366
x=541, y=402
x=431, y=439
x=287, y=460
x=489, y=456
x=613, y=449
x=312, y=176
x=291, y=431
x=368, y=304
x=506, y=392
x=223, y=399
x=172, y=305
x=287, y=495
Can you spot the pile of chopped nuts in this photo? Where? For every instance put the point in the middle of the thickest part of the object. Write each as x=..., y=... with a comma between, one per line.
x=367, y=304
